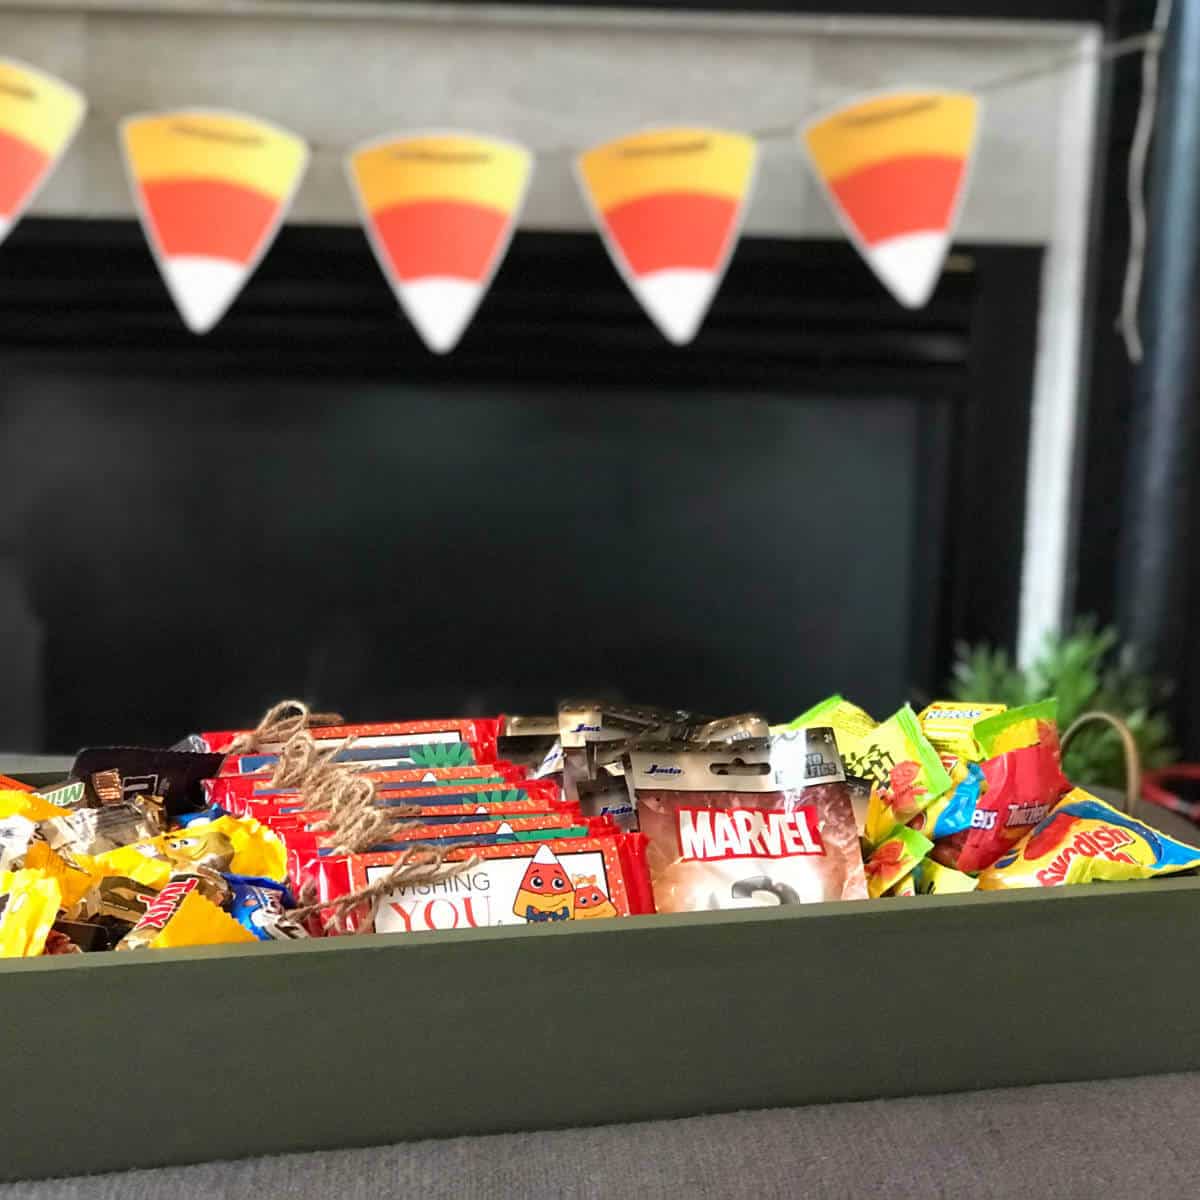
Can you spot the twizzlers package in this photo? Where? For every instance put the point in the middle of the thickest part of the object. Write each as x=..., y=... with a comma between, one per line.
x=765, y=822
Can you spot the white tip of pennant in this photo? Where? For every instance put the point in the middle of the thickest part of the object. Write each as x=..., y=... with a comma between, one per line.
x=909, y=266
x=5, y=227
x=677, y=300
x=504, y=827
x=202, y=288
x=441, y=308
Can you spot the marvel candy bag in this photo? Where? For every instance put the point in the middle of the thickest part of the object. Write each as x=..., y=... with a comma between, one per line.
x=757, y=823
x=1084, y=840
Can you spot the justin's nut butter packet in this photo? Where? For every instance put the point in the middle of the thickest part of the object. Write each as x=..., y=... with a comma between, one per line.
x=762, y=822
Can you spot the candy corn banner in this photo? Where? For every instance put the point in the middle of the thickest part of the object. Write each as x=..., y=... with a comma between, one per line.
x=38, y=118
x=212, y=189
x=439, y=211
x=669, y=205
x=894, y=167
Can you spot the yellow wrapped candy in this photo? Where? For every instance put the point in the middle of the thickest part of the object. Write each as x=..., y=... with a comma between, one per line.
x=950, y=727
x=29, y=805
x=75, y=877
x=181, y=916
x=31, y=904
x=238, y=845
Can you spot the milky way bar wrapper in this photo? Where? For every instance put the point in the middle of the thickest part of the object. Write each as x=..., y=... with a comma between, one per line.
x=232, y=792
x=175, y=775
x=760, y=823
x=480, y=733
x=549, y=882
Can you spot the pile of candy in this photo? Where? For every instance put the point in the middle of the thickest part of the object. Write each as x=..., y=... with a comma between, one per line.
x=300, y=829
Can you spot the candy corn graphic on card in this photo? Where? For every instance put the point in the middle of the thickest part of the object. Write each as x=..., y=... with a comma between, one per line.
x=39, y=115
x=894, y=166
x=212, y=189
x=669, y=205
x=439, y=211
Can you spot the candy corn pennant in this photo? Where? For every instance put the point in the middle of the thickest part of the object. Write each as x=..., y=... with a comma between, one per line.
x=894, y=167
x=669, y=205
x=212, y=189
x=439, y=211
x=39, y=115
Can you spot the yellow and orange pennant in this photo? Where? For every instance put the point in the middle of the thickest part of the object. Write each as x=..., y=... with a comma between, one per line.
x=439, y=210
x=894, y=166
x=669, y=205
x=212, y=189
x=39, y=115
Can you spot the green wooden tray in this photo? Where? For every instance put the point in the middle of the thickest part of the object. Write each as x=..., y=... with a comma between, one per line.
x=134, y=1060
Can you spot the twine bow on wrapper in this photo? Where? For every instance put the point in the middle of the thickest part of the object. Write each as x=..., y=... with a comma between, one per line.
x=355, y=822
x=279, y=723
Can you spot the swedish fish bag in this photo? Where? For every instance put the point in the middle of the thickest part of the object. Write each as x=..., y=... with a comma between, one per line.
x=1084, y=840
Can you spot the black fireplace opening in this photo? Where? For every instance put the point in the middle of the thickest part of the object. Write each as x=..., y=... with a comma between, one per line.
x=823, y=492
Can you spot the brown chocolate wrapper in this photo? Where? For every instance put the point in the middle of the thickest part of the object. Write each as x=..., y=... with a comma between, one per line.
x=761, y=823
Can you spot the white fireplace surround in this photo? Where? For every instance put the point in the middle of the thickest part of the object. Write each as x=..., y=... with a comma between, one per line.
x=341, y=73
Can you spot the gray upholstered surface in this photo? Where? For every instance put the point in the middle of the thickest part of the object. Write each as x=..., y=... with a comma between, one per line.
x=1114, y=1139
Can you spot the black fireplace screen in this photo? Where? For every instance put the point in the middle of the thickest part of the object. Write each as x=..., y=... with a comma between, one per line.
x=821, y=493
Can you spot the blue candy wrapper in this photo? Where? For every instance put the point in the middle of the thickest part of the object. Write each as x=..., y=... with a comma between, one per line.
x=952, y=813
x=261, y=906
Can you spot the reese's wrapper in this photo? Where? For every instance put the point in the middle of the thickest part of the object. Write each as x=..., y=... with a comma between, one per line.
x=905, y=771
x=180, y=915
x=894, y=858
x=759, y=823
x=1084, y=840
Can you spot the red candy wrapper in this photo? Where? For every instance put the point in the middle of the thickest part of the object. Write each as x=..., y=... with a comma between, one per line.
x=546, y=882
x=765, y=822
x=478, y=735
x=1022, y=787
x=234, y=792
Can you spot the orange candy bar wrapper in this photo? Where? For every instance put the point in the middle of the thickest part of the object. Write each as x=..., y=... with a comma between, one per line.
x=531, y=883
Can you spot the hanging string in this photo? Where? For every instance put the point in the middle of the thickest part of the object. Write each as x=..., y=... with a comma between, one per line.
x=1135, y=185
x=1148, y=42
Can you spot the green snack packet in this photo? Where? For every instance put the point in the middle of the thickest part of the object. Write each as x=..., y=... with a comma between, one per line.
x=835, y=712
x=893, y=859
x=906, y=773
x=1016, y=728
x=932, y=878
